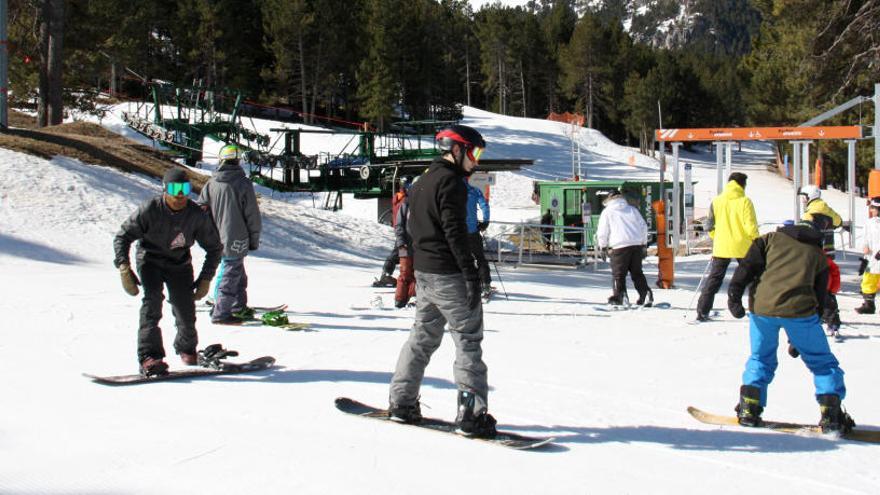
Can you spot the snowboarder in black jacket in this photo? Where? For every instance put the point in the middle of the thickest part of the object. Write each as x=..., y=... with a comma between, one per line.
x=165, y=228
x=448, y=287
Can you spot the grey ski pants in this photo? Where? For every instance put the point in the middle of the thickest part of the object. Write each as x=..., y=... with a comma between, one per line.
x=230, y=288
x=442, y=299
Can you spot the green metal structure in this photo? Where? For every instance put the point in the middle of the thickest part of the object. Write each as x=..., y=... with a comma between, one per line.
x=579, y=204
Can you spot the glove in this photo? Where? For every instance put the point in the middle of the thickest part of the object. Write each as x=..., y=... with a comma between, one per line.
x=736, y=308
x=473, y=293
x=863, y=266
x=877, y=256
x=200, y=288
x=253, y=247
x=130, y=281
x=482, y=226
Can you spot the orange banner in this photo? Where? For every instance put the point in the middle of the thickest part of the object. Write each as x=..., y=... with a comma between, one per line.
x=760, y=133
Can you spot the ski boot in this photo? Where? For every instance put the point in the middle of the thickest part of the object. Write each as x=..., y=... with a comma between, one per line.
x=411, y=415
x=646, y=300
x=386, y=280
x=867, y=307
x=189, y=358
x=229, y=320
x=153, y=367
x=470, y=425
x=834, y=419
x=248, y=313
x=748, y=411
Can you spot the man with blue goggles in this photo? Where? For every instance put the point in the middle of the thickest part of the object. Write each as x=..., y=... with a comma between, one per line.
x=165, y=228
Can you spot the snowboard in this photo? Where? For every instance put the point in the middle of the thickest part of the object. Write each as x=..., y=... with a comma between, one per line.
x=632, y=307
x=506, y=439
x=224, y=368
x=260, y=309
x=858, y=435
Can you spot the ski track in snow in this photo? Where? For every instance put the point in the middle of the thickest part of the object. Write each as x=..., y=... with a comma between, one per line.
x=611, y=386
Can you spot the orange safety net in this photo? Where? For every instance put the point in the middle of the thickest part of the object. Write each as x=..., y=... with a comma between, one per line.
x=568, y=118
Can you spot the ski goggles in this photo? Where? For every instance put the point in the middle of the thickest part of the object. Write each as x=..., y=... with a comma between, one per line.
x=178, y=188
x=474, y=153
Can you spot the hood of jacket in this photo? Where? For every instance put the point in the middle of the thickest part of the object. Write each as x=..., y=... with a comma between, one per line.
x=733, y=190
x=617, y=204
x=803, y=233
x=229, y=172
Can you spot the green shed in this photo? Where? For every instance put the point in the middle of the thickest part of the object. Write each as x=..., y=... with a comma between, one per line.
x=579, y=204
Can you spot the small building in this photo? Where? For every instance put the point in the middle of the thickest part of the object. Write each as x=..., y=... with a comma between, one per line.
x=579, y=203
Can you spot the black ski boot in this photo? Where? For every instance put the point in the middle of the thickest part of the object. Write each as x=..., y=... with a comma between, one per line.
x=646, y=299
x=411, y=415
x=867, y=307
x=481, y=426
x=749, y=409
x=386, y=280
x=834, y=419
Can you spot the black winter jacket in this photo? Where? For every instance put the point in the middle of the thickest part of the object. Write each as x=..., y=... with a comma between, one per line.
x=165, y=237
x=437, y=222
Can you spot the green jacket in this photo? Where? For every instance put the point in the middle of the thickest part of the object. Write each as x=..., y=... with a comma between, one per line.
x=786, y=272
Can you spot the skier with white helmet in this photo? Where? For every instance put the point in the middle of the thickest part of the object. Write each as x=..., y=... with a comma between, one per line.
x=231, y=199
x=816, y=210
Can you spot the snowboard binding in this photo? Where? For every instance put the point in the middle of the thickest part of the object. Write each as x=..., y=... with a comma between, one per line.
x=211, y=356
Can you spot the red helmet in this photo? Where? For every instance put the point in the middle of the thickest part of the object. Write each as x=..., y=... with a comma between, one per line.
x=461, y=134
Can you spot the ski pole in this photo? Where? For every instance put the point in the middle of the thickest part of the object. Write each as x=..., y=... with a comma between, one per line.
x=500, y=281
x=699, y=285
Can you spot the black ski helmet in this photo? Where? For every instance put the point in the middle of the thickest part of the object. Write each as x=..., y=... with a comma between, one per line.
x=461, y=134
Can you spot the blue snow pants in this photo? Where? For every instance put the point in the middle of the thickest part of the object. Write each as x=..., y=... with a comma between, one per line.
x=807, y=336
x=230, y=288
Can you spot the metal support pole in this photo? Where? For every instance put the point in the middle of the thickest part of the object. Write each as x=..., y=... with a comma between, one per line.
x=851, y=188
x=877, y=126
x=4, y=67
x=728, y=159
x=796, y=176
x=676, y=198
x=718, y=171
x=805, y=163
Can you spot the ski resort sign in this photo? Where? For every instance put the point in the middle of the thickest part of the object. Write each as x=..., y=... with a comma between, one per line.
x=759, y=133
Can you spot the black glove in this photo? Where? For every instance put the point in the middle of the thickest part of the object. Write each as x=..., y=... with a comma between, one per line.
x=736, y=308
x=877, y=256
x=863, y=266
x=473, y=293
x=482, y=226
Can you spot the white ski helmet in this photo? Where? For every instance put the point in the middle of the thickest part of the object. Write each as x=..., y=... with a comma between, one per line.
x=811, y=192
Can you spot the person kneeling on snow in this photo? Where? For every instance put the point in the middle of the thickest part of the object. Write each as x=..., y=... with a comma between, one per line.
x=622, y=228
x=165, y=228
x=787, y=276
x=230, y=198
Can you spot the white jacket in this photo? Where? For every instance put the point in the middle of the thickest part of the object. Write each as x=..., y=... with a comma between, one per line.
x=872, y=242
x=621, y=225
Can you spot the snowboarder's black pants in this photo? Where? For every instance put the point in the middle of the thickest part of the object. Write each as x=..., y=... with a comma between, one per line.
x=179, y=280
x=714, y=279
x=628, y=260
x=476, y=242
x=391, y=261
x=831, y=315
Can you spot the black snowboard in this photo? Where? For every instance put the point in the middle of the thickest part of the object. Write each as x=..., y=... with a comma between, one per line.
x=507, y=439
x=225, y=368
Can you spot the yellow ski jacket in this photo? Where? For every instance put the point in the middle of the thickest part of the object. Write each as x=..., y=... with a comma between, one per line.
x=732, y=223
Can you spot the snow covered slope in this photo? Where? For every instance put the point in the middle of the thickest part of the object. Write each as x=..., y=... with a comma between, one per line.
x=612, y=387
